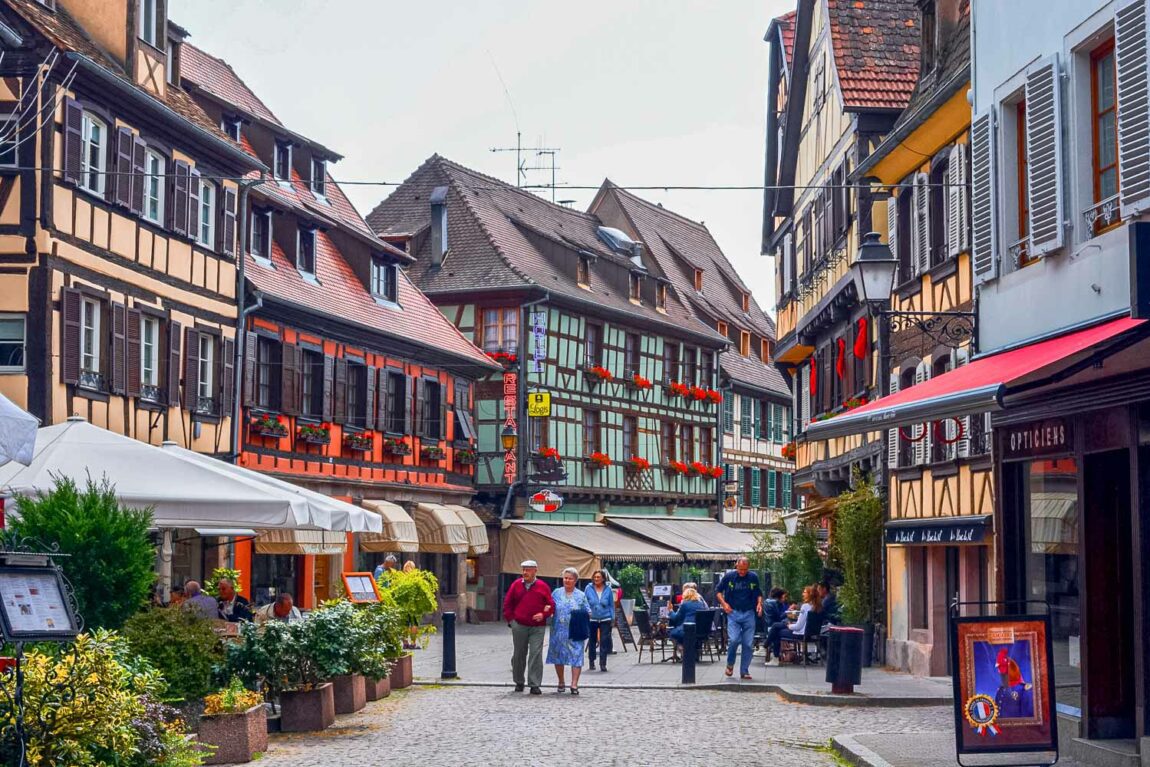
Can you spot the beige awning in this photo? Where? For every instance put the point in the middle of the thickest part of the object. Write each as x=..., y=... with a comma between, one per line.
x=441, y=531
x=300, y=542
x=582, y=545
x=399, y=532
x=476, y=531
x=700, y=539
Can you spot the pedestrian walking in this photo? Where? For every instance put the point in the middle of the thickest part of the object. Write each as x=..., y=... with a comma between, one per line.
x=569, y=630
x=526, y=608
x=601, y=603
x=741, y=598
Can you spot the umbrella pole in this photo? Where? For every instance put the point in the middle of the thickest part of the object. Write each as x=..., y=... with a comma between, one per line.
x=166, y=566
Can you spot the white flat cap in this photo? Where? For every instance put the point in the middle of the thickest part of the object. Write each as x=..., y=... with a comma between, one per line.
x=528, y=563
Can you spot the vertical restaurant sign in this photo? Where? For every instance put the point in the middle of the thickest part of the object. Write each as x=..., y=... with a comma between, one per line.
x=511, y=407
x=1003, y=684
x=538, y=341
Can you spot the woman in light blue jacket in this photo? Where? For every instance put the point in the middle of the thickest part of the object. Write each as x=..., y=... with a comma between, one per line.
x=601, y=602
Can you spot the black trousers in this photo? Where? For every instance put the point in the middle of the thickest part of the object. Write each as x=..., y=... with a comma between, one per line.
x=601, y=638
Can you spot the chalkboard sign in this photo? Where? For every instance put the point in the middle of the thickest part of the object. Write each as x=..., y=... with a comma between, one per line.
x=361, y=587
x=623, y=628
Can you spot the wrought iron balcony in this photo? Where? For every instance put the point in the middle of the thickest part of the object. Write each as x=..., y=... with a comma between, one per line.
x=1103, y=213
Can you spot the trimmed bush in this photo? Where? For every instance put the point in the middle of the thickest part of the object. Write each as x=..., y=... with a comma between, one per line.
x=181, y=645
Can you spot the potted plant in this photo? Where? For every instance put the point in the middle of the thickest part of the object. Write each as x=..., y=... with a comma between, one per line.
x=789, y=451
x=697, y=468
x=396, y=446
x=597, y=374
x=714, y=395
x=676, y=468
x=315, y=654
x=382, y=632
x=639, y=382
x=268, y=425
x=854, y=402
x=359, y=441
x=636, y=464
x=432, y=453
x=339, y=626
x=314, y=434
x=631, y=579
x=414, y=595
x=598, y=461
x=465, y=456
x=713, y=472
x=234, y=723
x=506, y=359
x=678, y=389
x=698, y=393
x=858, y=546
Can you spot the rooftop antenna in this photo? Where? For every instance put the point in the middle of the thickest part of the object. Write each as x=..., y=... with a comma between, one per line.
x=550, y=154
x=518, y=148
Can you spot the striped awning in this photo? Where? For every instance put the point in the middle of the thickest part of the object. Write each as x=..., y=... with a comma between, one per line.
x=301, y=542
x=441, y=531
x=399, y=531
x=476, y=531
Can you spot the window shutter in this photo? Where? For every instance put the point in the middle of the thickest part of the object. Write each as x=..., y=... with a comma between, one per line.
x=73, y=141
x=892, y=436
x=788, y=262
x=227, y=387
x=386, y=398
x=892, y=232
x=921, y=229
x=70, y=353
x=251, y=369
x=191, y=368
x=193, y=203
x=729, y=411
x=772, y=489
x=369, y=402
x=961, y=357
x=120, y=186
x=173, y=363
x=756, y=493
x=805, y=397
x=922, y=447
x=339, y=407
x=787, y=487
x=290, y=356
x=409, y=404
x=132, y=351
x=983, y=192
x=745, y=416
x=227, y=244
x=119, y=368
x=955, y=201
x=420, y=401
x=139, y=180
x=178, y=199
x=1131, y=39
x=769, y=421
x=328, y=385
x=1044, y=155
x=443, y=412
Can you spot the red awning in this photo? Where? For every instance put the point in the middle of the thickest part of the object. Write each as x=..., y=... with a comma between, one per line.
x=976, y=387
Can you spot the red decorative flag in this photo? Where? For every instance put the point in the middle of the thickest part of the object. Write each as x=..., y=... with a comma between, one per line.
x=840, y=361
x=862, y=340
x=814, y=377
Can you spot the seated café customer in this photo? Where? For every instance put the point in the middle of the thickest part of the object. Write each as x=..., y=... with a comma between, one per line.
x=690, y=605
x=830, y=603
x=774, y=614
x=198, y=602
x=698, y=594
x=812, y=603
x=282, y=610
x=233, y=607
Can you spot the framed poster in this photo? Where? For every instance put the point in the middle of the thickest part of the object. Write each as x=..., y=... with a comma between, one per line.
x=360, y=587
x=34, y=605
x=1003, y=684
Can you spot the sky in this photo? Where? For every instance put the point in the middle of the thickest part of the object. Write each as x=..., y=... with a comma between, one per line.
x=644, y=92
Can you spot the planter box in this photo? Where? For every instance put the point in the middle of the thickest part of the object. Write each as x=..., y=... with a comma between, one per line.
x=349, y=693
x=315, y=440
x=358, y=448
x=401, y=672
x=377, y=689
x=269, y=432
x=307, y=710
x=236, y=737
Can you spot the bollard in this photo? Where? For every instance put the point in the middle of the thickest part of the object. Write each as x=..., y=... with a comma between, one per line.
x=448, y=647
x=690, y=647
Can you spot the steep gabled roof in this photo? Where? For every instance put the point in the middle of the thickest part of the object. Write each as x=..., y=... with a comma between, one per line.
x=876, y=49
x=217, y=77
x=784, y=26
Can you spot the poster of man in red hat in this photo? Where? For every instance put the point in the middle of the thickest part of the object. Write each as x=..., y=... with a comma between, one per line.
x=1003, y=685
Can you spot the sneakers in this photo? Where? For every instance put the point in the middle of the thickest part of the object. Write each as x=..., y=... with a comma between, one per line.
x=772, y=662
x=518, y=688
x=536, y=691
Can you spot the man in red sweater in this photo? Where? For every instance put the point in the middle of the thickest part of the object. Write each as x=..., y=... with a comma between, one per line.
x=526, y=608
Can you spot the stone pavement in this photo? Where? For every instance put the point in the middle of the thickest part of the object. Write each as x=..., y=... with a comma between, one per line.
x=483, y=657
x=917, y=749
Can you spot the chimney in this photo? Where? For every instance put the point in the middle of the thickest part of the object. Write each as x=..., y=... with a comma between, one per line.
x=439, y=225
x=637, y=255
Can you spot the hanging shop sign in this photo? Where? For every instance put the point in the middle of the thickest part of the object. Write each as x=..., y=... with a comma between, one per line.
x=539, y=404
x=942, y=532
x=1052, y=436
x=1003, y=685
x=546, y=501
x=538, y=341
x=511, y=408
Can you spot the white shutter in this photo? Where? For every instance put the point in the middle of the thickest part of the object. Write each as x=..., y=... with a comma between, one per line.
x=1044, y=156
x=961, y=357
x=892, y=437
x=1132, y=63
x=921, y=228
x=955, y=201
x=805, y=396
x=788, y=262
x=984, y=235
x=922, y=447
x=892, y=233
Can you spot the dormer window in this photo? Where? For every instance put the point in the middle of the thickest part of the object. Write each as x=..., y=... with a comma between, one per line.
x=384, y=280
x=583, y=272
x=636, y=284
x=305, y=252
x=231, y=127
x=283, y=161
x=319, y=177
x=661, y=297
x=722, y=328
x=698, y=280
x=260, y=239
x=929, y=45
x=745, y=343
x=765, y=351
x=746, y=302
x=151, y=22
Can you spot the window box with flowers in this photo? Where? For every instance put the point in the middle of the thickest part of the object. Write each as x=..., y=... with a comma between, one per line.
x=359, y=441
x=432, y=453
x=597, y=461
x=698, y=468
x=713, y=472
x=546, y=460
x=636, y=464
x=789, y=451
x=598, y=373
x=677, y=389
x=506, y=359
x=396, y=446
x=853, y=402
x=639, y=383
x=314, y=434
x=676, y=468
x=466, y=456
x=268, y=425
x=715, y=396
x=697, y=393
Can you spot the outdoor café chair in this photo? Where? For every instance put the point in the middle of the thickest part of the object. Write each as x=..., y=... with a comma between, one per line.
x=647, y=636
x=801, y=645
x=704, y=633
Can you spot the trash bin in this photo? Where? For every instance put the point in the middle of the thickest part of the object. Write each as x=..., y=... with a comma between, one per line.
x=844, y=658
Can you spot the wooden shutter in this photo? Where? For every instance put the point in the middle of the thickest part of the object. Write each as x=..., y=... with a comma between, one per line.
x=120, y=188
x=369, y=400
x=173, y=363
x=772, y=489
x=920, y=225
x=409, y=404
x=178, y=199
x=922, y=447
x=251, y=368
x=955, y=201
x=339, y=408
x=420, y=404
x=805, y=397
x=729, y=411
x=892, y=436
x=70, y=351
x=1132, y=64
x=1044, y=156
x=787, y=485
x=984, y=233
x=227, y=385
x=892, y=234
x=328, y=385
x=756, y=492
x=443, y=412
x=132, y=352
x=788, y=270
x=227, y=244
x=961, y=357
x=73, y=140
x=193, y=204
x=119, y=367
x=139, y=174
x=191, y=368
x=386, y=397
x=745, y=417
x=290, y=358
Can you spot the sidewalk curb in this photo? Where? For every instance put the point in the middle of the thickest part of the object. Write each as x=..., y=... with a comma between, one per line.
x=856, y=753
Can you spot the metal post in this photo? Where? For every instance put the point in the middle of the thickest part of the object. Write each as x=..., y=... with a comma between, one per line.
x=448, y=671
x=689, y=652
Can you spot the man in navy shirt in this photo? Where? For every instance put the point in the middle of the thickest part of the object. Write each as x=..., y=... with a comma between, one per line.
x=741, y=598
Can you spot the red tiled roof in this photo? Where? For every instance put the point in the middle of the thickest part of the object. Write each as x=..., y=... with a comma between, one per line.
x=786, y=24
x=341, y=294
x=876, y=48
x=218, y=78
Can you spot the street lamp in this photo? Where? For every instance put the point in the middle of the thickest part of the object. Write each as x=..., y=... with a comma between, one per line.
x=509, y=437
x=873, y=271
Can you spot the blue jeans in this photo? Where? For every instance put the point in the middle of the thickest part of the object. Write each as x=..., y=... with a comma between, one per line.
x=741, y=631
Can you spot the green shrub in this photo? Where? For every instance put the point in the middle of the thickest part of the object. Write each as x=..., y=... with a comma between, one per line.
x=800, y=564
x=111, y=562
x=858, y=549
x=181, y=645
x=382, y=638
x=261, y=658
x=211, y=587
x=632, y=578
x=413, y=593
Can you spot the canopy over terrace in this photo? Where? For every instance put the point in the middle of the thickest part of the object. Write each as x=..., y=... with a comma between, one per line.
x=399, y=531
x=582, y=545
x=696, y=539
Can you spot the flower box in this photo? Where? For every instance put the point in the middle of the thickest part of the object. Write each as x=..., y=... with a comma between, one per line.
x=714, y=395
x=268, y=426
x=307, y=710
x=432, y=453
x=361, y=442
x=639, y=382
x=235, y=737
x=636, y=464
x=401, y=672
x=677, y=389
x=597, y=373
x=676, y=467
x=377, y=689
x=506, y=359
x=789, y=451
x=698, y=468
x=349, y=692
x=598, y=461
x=698, y=393
x=396, y=446
x=465, y=456
x=314, y=435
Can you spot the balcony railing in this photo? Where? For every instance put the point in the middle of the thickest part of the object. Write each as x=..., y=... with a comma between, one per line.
x=1020, y=252
x=1103, y=214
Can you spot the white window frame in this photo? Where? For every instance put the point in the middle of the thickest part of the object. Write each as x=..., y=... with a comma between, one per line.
x=301, y=233
x=206, y=215
x=155, y=165
x=149, y=345
x=150, y=34
x=276, y=162
x=90, y=334
x=267, y=216
x=207, y=366
x=379, y=271
x=88, y=123
x=23, y=341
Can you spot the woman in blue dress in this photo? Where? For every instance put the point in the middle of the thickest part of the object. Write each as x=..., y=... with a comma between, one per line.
x=562, y=650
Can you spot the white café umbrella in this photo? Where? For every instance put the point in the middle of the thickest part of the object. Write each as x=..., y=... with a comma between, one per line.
x=17, y=433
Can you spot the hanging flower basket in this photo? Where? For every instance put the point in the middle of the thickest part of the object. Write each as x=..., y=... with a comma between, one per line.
x=636, y=464
x=598, y=461
x=465, y=456
x=698, y=393
x=678, y=389
x=597, y=373
x=714, y=395
x=396, y=446
x=362, y=441
x=546, y=461
x=268, y=426
x=789, y=451
x=432, y=453
x=640, y=383
x=314, y=435
x=676, y=467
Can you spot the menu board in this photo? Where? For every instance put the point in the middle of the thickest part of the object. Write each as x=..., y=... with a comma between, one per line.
x=33, y=605
x=361, y=587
